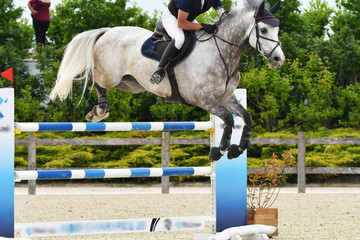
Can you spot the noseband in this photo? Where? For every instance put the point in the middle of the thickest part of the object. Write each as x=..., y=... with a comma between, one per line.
x=258, y=36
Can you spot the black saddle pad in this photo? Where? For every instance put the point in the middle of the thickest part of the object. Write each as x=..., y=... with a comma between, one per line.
x=154, y=49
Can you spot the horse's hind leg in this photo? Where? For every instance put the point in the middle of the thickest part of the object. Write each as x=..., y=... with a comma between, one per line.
x=100, y=111
x=233, y=105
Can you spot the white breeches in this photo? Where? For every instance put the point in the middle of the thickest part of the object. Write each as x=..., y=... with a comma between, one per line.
x=171, y=26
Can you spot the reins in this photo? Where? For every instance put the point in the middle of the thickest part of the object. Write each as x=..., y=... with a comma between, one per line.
x=258, y=45
x=215, y=36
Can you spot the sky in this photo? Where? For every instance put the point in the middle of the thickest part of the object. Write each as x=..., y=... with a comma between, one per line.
x=147, y=5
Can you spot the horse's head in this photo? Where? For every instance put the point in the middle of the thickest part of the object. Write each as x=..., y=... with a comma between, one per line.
x=264, y=35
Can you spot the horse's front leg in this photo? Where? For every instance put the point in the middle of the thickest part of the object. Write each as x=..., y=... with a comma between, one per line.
x=100, y=111
x=212, y=106
x=233, y=105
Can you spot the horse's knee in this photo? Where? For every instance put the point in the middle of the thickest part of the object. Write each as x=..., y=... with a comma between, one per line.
x=226, y=137
x=228, y=120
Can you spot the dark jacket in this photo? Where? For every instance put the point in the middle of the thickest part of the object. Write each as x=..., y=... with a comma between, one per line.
x=193, y=7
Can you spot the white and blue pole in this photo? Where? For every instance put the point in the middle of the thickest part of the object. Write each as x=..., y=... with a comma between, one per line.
x=7, y=150
x=231, y=177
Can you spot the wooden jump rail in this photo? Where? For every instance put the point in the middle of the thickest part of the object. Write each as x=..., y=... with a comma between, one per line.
x=166, y=141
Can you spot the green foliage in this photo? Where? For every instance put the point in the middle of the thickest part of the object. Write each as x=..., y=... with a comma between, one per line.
x=164, y=111
x=122, y=105
x=15, y=39
x=349, y=104
x=318, y=17
x=312, y=90
x=301, y=98
x=13, y=32
x=26, y=106
x=21, y=162
x=72, y=17
x=144, y=156
x=268, y=93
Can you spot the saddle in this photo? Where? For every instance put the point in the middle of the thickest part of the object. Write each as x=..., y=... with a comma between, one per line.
x=154, y=48
x=155, y=45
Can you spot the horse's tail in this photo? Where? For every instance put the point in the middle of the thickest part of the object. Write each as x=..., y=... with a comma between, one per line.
x=78, y=59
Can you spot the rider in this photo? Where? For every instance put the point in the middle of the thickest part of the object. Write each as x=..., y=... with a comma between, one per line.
x=179, y=16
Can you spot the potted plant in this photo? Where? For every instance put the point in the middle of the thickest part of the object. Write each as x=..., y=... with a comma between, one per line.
x=263, y=189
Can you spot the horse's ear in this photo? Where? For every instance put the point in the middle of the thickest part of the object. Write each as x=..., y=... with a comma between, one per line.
x=275, y=8
x=261, y=9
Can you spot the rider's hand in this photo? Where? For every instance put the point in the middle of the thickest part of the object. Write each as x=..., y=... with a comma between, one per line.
x=209, y=28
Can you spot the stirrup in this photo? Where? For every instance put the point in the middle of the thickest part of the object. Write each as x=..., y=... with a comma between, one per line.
x=157, y=76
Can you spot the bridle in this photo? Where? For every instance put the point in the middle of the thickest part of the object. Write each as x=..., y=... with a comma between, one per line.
x=258, y=36
x=258, y=45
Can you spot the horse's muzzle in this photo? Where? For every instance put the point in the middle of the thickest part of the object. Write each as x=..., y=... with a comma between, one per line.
x=276, y=61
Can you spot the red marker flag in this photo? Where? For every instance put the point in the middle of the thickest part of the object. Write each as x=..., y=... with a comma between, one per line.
x=8, y=74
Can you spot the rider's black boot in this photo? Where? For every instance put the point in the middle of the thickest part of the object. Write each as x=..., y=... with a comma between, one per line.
x=169, y=54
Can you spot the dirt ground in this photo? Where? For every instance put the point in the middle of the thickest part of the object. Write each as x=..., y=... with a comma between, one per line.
x=321, y=213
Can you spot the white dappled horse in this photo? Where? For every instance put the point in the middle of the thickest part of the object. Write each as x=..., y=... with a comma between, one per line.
x=207, y=78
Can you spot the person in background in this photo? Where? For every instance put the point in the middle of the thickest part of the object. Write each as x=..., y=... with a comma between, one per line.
x=41, y=19
x=179, y=16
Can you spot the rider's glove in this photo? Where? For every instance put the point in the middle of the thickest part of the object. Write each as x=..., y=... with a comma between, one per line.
x=209, y=28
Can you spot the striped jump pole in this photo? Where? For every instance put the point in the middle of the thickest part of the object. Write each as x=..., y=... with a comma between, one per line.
x=111, y=173
x=113, y=126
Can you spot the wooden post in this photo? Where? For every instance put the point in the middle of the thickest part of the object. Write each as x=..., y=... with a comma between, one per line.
x=301, y=175
x=165, y=160
x=32, y=161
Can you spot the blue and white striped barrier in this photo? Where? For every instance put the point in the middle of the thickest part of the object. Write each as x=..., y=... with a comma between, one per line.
x=113, y=126
x=111, y=173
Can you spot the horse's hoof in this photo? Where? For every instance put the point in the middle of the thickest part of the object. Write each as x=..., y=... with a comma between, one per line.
x=234, y=152
x=89, y=117
x=98, y=113
x=215, y=154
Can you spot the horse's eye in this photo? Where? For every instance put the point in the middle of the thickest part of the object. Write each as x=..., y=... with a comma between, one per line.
x=263, y=30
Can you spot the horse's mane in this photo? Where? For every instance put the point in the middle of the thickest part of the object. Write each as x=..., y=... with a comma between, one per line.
x=250, y=5
x=242, y=6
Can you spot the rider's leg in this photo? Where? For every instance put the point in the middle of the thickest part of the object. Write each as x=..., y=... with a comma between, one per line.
x=178, y=38
x=169, y=54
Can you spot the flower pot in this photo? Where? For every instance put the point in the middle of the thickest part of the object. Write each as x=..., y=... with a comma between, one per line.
x=264, y=216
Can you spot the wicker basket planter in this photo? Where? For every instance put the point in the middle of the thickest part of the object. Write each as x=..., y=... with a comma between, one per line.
x=265, y=216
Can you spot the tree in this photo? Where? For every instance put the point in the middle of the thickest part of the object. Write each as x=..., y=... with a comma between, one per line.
x=73, y=17
x=343, y=49
x=15, y=39
x=268, y=94
x=300, y=99
x=318, y=18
